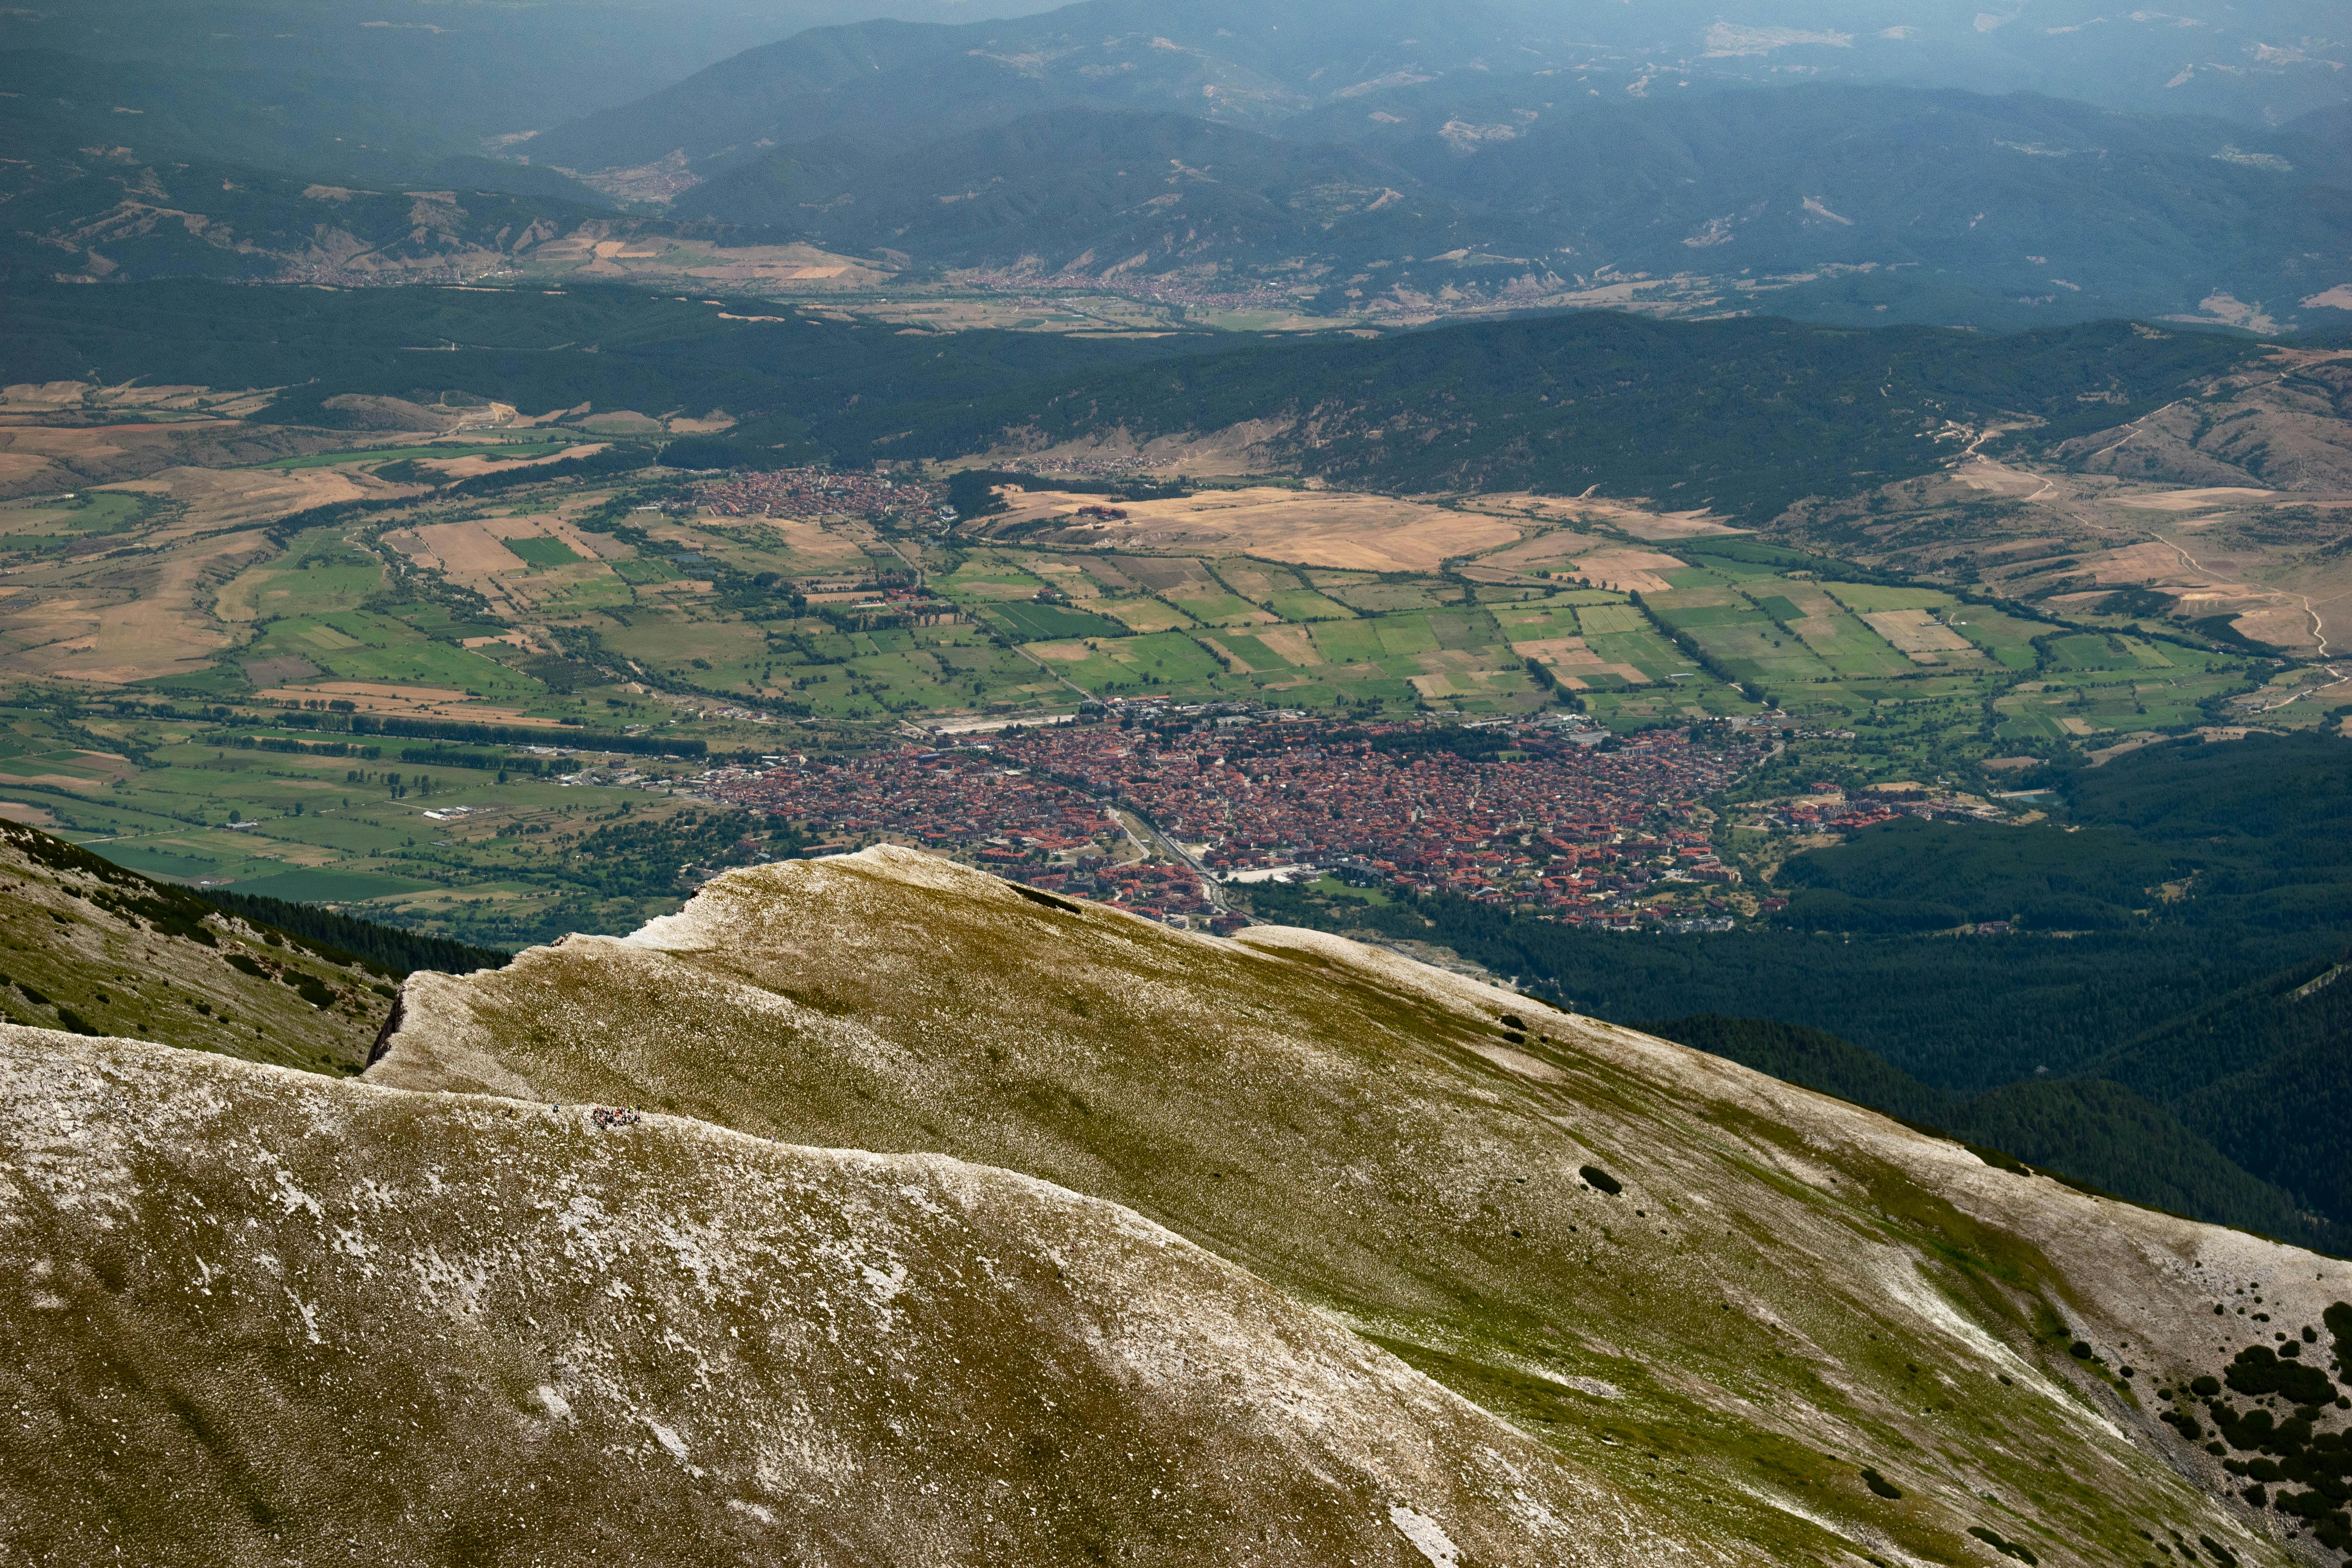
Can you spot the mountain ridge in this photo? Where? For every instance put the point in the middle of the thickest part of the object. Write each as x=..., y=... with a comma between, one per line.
x=979, y=1331
x=888, y=1000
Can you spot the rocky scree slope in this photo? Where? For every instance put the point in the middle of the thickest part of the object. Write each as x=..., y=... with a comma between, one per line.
x=1787, y=1324
x=261, y=1316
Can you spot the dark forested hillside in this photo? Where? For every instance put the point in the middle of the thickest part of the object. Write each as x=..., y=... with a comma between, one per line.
x=1084, y=190
x=2267, y=1074
x=612, y=347
x=1743, y=416
x=1746, y=416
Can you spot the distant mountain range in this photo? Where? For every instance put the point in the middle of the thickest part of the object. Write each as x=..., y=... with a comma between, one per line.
x=1398, y=161
x=1264, y=64
x=1998, y=211
x=1407, y=161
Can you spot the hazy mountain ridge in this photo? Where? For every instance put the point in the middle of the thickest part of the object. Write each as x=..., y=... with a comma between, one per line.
x=2037, y=204
x=128, y=221
x=1266, y=64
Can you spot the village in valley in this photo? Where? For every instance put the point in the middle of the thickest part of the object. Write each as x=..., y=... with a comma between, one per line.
x=1163, y=809
x=566, y=704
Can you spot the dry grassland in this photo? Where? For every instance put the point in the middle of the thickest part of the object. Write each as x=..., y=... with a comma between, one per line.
x=113, y=622
x=433, y=701
x=472, y=468
x=35, y=459
x=248, y=498
x=1628, y=517
x=1306, y=528
x=1920, y=636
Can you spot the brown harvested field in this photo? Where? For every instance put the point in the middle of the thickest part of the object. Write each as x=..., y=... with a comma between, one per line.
x=35, y=458
x=234, y=497
x=472, y=468
x=1549, y=549
x=1307, y=528
x=1147, y=616
x=1629, y=570
x=1552, y=650
x=2197, y=500
x=586, y=253
x=474, y=553
x=28, y=815
x=467, y=551
x=1568, y=657
x=113, y=622
x=1295, y=644
x=1920, y=635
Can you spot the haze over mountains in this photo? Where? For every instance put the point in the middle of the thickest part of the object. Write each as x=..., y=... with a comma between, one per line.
x=1396, y=163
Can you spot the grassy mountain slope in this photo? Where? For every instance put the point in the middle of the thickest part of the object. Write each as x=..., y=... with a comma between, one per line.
x=2080, y=1129
x=1731, y=1296
x=89, y=947
x=259, y=1315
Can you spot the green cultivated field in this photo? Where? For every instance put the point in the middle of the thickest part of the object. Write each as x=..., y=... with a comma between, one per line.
x=634, y=642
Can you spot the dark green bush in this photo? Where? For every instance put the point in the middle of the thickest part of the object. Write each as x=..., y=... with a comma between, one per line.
x=2259, y=1370
x=2010, y=1548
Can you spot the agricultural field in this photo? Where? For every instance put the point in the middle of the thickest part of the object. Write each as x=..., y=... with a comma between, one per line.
x=202, y=679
